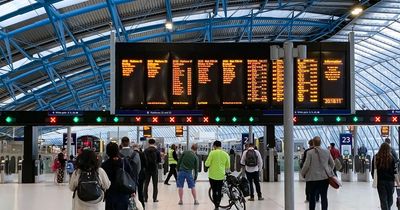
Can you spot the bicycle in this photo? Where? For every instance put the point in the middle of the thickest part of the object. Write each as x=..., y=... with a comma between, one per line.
x=232, y=196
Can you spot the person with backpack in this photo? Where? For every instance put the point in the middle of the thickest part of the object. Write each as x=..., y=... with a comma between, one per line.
x=131, y=156
x=117, y=198
x=172, y=162
x=153, y=159
x=70, y=166
x=253, y=163
x=88, y=182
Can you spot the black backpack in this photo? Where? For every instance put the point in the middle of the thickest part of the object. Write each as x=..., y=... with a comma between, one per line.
x=151, y=159
x=251, y=158
x=88, y=188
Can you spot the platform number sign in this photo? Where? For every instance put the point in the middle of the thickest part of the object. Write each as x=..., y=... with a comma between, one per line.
x=346, y=143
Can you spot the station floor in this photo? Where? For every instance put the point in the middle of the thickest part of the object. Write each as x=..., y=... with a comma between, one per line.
x=49, y=196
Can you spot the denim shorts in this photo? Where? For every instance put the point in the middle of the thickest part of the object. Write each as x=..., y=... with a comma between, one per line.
x=182, y=175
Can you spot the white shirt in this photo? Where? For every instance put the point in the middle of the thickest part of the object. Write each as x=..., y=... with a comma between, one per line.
x=252, y=169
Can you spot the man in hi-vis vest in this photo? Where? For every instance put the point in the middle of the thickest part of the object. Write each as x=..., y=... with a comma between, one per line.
x=172, y=161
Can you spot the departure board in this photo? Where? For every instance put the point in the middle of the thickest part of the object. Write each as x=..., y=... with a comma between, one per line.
x=307, y=83
x=196, y=78
x=182, y=82
x=257, y=81
x=277, y=82
x=157, y=82
x=132, y=79
x=333, y=77
x=207, y=82
x=232, y=82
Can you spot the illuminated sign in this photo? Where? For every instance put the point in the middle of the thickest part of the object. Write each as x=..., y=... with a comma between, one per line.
x=147, y=131
x=179, y=131
x=257, y=81
x=385, y=131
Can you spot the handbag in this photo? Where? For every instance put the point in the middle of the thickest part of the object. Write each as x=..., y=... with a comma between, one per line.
x=375, y=181
x=124, y=181
x=333, y=180
x=134, y=204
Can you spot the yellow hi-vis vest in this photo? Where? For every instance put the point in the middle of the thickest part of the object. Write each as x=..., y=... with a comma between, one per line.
x=171, y=160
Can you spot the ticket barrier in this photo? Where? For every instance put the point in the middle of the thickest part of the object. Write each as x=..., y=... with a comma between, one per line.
x=38, y=171
x=363, y=168
x=2, y=171
x=347, y=169
x=276, y=168
x=19, y=171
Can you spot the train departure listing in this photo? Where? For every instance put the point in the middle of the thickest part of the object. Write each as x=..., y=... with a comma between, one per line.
x=157, y=85
x=232, y=80
x=257, y=81
x=154, y=67
x=277, y=81
x=129, y=66
x=207, y=82
x=181, y=81
x=307, y=82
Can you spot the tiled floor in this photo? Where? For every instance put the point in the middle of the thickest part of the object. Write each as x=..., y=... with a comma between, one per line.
x=48, y=196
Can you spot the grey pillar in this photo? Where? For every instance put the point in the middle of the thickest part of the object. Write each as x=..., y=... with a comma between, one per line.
x=251, y=139
x=137, y=134
x=69, y=139
x=187, y=137
x=288, y=126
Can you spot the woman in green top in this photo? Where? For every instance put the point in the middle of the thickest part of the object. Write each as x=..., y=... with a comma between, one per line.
x=218, y=163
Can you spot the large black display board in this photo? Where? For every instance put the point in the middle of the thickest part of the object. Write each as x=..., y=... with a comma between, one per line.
x=205, y=76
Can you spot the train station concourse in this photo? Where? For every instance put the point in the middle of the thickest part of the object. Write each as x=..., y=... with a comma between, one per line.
x=232, y=104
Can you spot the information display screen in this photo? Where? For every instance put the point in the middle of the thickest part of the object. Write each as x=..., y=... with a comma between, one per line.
x=257, y=82
x=157, y=82
x=207, y=82
x=232, y=82
x=333, y=80
x=307, y=82
x=233, y=76
x=182, y=82
x=278, y=77
x=132, y=81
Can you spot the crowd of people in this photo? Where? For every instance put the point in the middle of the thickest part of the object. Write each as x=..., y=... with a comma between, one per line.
x=123, y=179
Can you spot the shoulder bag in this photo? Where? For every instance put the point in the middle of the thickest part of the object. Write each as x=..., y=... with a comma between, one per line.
x=124, y=181
x=333, y=180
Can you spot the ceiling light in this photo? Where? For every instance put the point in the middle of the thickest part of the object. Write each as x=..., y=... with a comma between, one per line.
x=169, y=25
x=357, y=11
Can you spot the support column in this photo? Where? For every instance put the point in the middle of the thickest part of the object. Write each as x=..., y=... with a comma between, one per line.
x=288, y=126
x=30, y=154
x=271, y=147
x=137, y=134
x=187, y=138
x=69, y=139
x=251, y=139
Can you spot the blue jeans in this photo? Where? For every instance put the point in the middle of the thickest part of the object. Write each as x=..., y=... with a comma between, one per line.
x=385, y=192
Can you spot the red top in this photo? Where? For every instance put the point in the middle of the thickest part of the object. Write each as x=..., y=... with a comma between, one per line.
x=335, y=153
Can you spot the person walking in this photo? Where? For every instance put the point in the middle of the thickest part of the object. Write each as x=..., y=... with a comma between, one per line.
x=142, y=176
x=385, y=164
x=316, y=170
x=307, y=188
x=253, y=163
x=132, y=158
x=335, y=153
x=186, y=165
x=115, y=198
x=153, y=159
x=172, y=161
x=218, y=162
x=88, y=164
x=60, y=163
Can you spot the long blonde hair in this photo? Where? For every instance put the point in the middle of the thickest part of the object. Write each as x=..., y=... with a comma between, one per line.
x=384, y=157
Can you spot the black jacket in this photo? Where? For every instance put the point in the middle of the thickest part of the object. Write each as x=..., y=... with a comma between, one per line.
x=385, y=174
